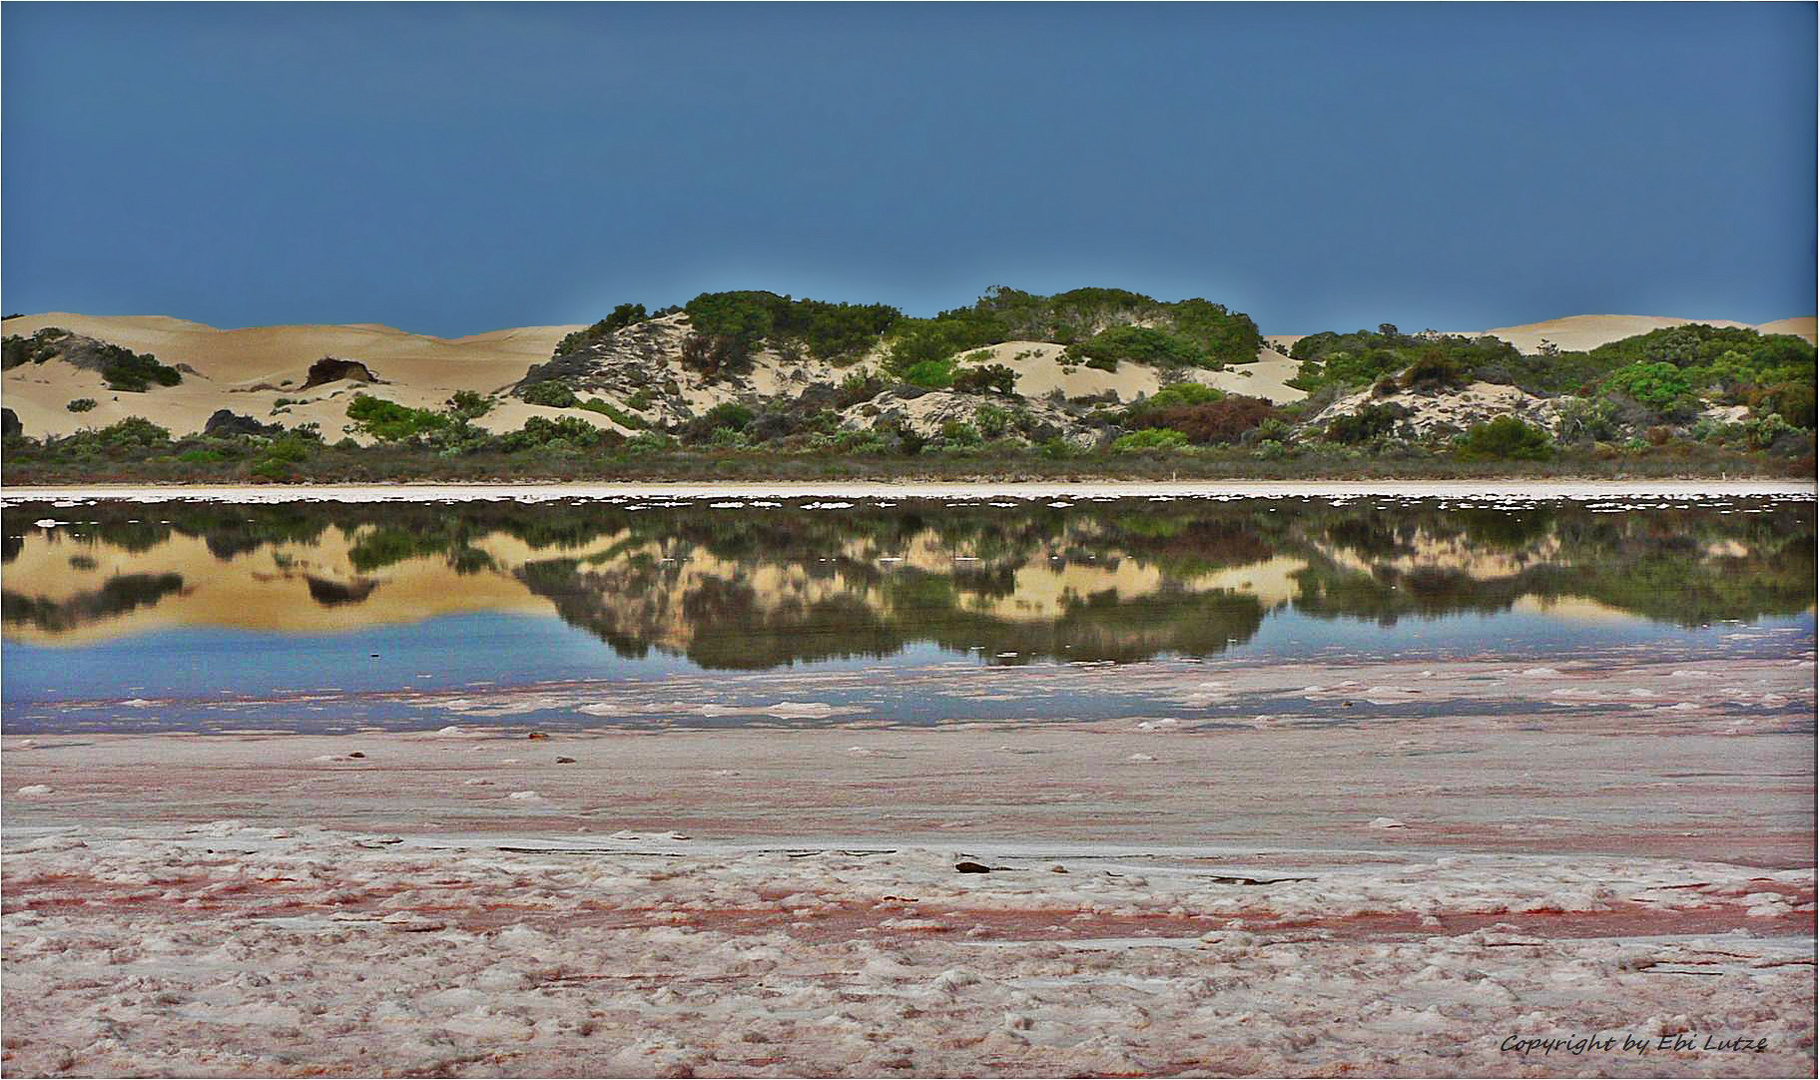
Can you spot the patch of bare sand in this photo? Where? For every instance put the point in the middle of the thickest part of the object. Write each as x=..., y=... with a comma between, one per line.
x=1041, y=371
x=249, y=371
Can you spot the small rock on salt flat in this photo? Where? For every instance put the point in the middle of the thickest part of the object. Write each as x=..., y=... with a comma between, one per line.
x=1386, y=823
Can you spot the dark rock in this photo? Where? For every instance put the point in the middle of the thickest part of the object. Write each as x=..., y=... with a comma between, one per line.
x=9, y=423
x=967, y=867
x=329, y=369
x=226, y=422
x=565, y=761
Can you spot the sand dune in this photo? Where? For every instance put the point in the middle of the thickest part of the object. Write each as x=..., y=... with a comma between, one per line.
x=250, y=370
x=1582, y=332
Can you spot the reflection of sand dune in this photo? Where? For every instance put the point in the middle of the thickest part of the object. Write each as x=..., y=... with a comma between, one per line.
x=663, y=593
x=302, y=587
x=1574, y=608
x=1455, y=554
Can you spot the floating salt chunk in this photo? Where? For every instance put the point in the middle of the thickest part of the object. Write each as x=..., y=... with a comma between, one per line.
x=33, y=791
x=1140, y=757
x=527, y=796
x=1678, y=674
x=49, y=523
x=138, y=703
x=1541, y=672
x=1385, y=823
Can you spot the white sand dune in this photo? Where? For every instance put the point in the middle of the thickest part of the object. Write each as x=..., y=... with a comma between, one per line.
x=1581, y=332
x=250, y=370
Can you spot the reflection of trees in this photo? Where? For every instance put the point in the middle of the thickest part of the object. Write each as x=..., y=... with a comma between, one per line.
x=756, y=588
x=118, y=596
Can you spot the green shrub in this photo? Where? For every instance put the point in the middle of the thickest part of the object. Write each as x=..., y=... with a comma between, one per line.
x=1149, y=439
x=135, y=372
x=623, y=315
x=1506, y=438
x=541, y=432
x=1434, y=370
x=388, y=421
x=993, y=421
x=1657, y=385
x=1178, y=394
x=989, y=379
x=1368, y=423
x=640, y=401
x=1587, y=420
x=930, y=374
x=606, y=409
x=38, y=348
x=81, y=404
x=468, y=405
x=959, y=433
x=550, y=393
x=1138, y=344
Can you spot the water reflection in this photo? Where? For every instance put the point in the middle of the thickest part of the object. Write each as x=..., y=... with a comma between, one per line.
x=750, y=588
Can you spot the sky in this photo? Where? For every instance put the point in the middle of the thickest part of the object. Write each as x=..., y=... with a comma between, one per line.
x=455, y=169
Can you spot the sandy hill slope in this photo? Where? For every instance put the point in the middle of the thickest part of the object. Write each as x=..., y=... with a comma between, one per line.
x=1578, y=333
x=248, y=371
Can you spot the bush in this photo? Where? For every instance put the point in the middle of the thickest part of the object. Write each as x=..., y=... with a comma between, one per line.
x=1656, y=385
x=1223, y=421
x=388, y=421
x=1370, y=422
x=606, y=409
x=993, y=421
x=1435, y=370
x=81, y=404
x=1506, y=438
x=135, y=372
x=1138, y=344
x=930, y=374
x=1792, y=401
x=989, y=379
x=550, y=393
x=623, y=315
x=541, y=432
x=1182, y=393
x=468, y=405
x=1149, y=439
x=1588, y=420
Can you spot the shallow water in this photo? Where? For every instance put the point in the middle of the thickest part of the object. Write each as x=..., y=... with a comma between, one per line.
x=323, y=616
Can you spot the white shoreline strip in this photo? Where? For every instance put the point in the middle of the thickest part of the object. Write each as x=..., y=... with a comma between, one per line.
x=1473, y=490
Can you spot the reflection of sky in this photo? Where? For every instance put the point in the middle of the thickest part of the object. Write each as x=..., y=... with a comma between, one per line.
x=456, y=651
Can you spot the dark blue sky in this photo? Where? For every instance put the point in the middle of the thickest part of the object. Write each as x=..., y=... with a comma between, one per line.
x=457, y=169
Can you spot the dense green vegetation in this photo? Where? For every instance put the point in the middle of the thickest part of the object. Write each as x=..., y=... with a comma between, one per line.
x=1099, y=326
x=727, y=326
x=623, y=315
x=1350, y=361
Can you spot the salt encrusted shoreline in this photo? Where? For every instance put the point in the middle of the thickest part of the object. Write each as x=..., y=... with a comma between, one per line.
x=1401, y=898
x=1474, y=490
